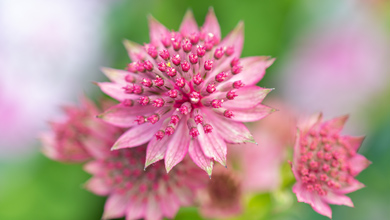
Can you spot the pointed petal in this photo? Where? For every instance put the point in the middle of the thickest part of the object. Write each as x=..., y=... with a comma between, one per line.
x=96, y=147
x=169, y=206
x=153, y=209
x=123, y=116
x=357, y=164
x=352, y=187
x=115, y=91
x=252, y=114
x=199, y=158
x=253, y=70
x=135, y=209
x=136, y=51
x=117, y=76
x=247, y=97
x=355, y=142
x=306, y=123
x=156, y=150
x=211, y=24
x=183, y=195
x=136, y=136
x=336, y=124
x=157, y=31
x=98, y=186
x=213, y=146
x=338, y=199
x=231, y=131
x=314, y=200
x=115, y=206
x=188, y=25
x=177, y=146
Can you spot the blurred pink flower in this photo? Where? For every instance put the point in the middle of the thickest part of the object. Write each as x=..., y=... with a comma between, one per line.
x=260, y=164
x=135, y=193
x=325, y=164
x=80, y=136
x=338, y=67
x=187, y=91
x=222, y=197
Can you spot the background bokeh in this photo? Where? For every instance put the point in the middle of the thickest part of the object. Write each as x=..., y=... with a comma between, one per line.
x=332, y=56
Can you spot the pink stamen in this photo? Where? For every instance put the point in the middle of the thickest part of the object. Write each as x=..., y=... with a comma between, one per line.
x=231, y=94
x=200, y=51
x=211, y=88
x=158, y=102
x=235, y=62
x=207, y=128
x=174, y=119
x=140, y=120
x=140, y=66
x=146, y=82
x=216, y=103
x=176, y=43
x=193, y=58
x=208, y=64
x=180, y=82
x=128, y=89
x=172, y=93
x=198, y=119
x=218, y=53
x=229, y=50
x=171, y=71
x=238, y=84
x=144, y=100
x=162, y=66
x=160, y=134
x=129, y=78
x=152, y=51
x=197, y=79
x=194, y=97
x=236, y=69
x=176, y=60
x=194, y=38
x=228, y=114
x=153, y=119
x=220, y=77
x=187, y=46
x=128, y=102
x=169, y=130
x=148, y=65
x=164, y=54
x=137, y=89
x=166, y=42
x=194, y=132
x=185, y=66
x=132, y=67
x=159, y=82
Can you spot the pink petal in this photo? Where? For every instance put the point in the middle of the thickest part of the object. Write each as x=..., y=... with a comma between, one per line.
x=117, y=76
x=136, y=136
x=177, y=146
x=156, y=150
x=135, y=209
x=49, y=142
x=247, y=97
x=307, y=123
x=213, y=145
x=197, y=155
x=98, y=186
x=115, y=91
x=153, y=210
x=211, y=24
x=313, y=199
x=252, y=114
x=338, y=199
x=157, y=32
x=231, y=131
x=355, y=142
x=183, y=195
x=115, y=206
x=357, y=164
x=188, y=25
x=123, y=116
x=352, y=187
x=336, y=124
x=168, y=204
x=93, y=167
x=253, y=70
x=136, y=52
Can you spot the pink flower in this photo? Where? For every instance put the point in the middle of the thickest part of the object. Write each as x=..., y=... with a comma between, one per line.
x=223, y=195
x=80, y=136
x=187, y=91
x=325, y=164
x=135, y=193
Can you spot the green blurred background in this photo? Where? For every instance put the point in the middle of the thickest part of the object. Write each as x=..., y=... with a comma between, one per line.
x=34, y=187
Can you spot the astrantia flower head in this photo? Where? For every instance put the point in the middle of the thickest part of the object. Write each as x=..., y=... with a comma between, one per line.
x=79, y=136
x=325, y=164
x=135, y=193
x=187, y=91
